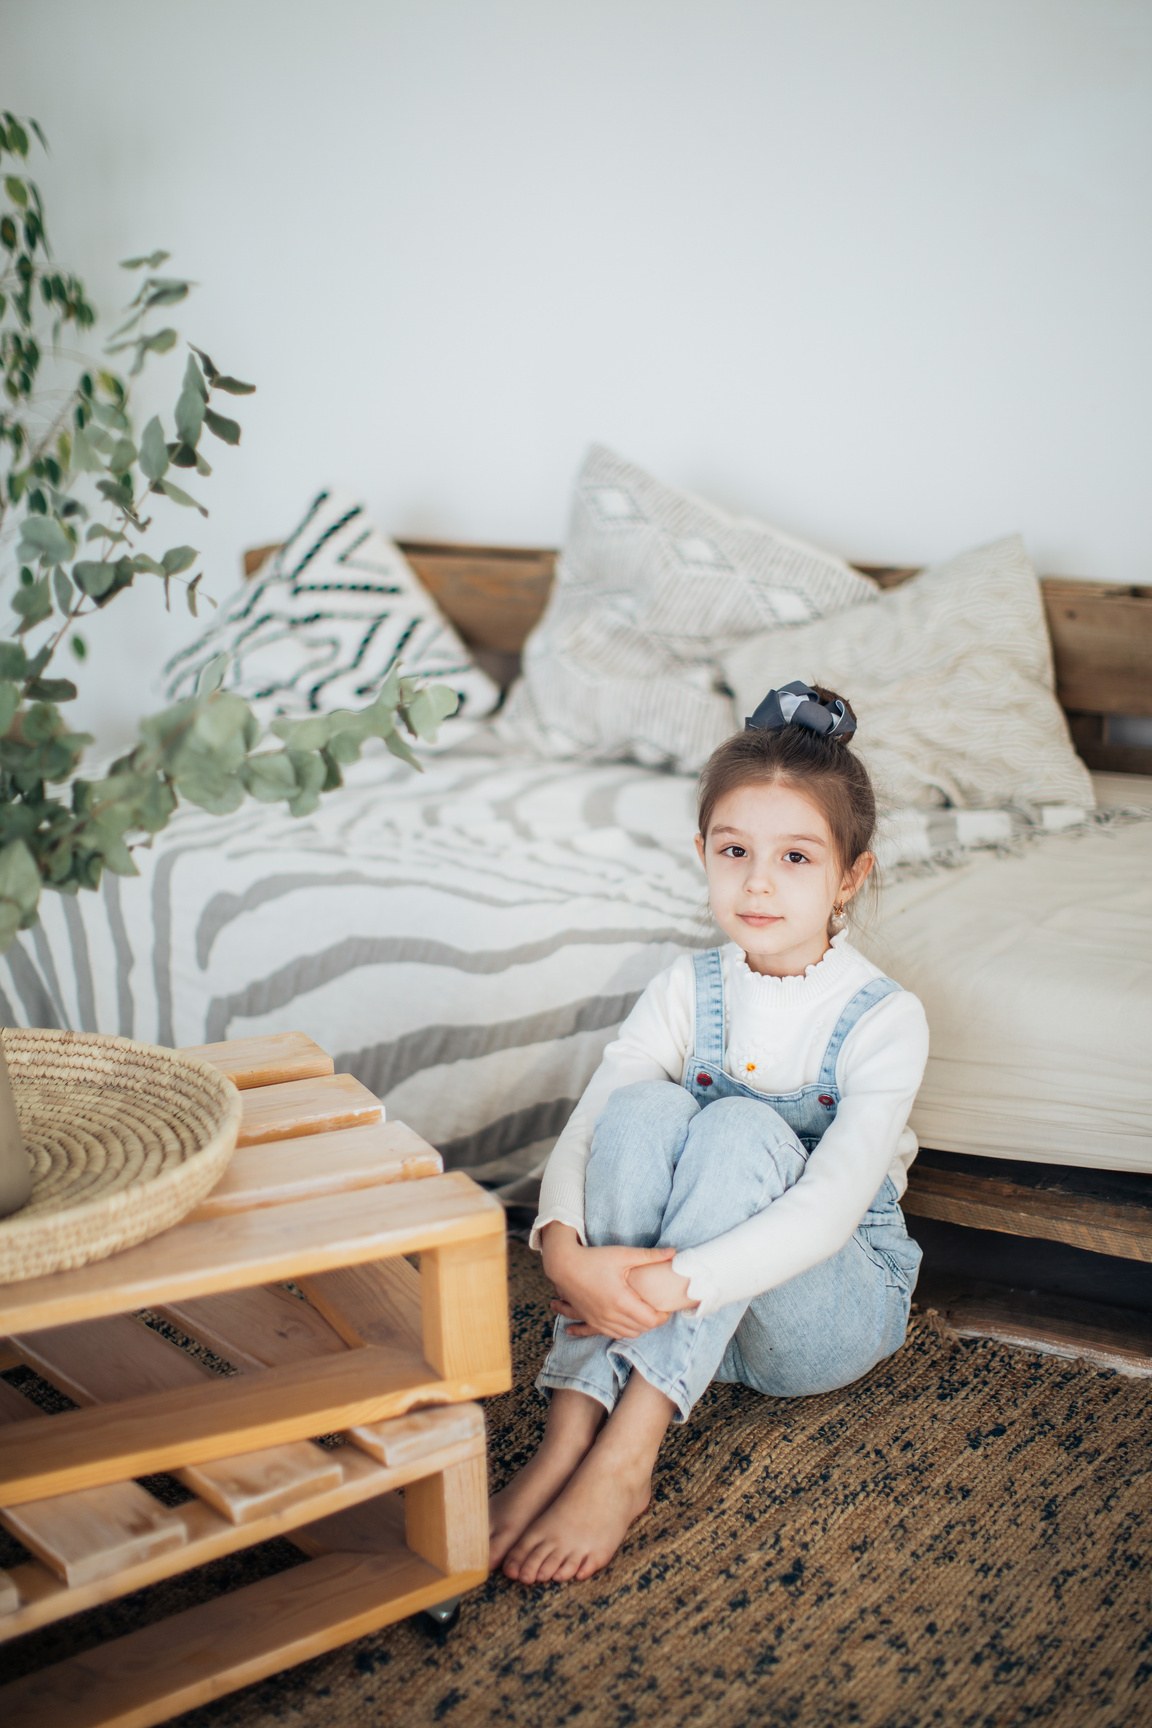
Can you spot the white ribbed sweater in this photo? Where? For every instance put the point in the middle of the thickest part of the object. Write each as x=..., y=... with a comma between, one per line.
x=776, y=1033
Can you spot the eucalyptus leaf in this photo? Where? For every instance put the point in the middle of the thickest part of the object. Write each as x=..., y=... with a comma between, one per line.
x=94, y=577
x=62, y=588
x=178, y=559
x=233, y=386
x=9, y=702
x=154, y=450
x=122, y=456
x=42, y=537
x=19, y=877
x=153, y=260
x=228, y=430
x=16, y=190
x=179, y=496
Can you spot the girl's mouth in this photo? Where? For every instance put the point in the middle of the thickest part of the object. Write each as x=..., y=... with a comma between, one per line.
x=757, y=919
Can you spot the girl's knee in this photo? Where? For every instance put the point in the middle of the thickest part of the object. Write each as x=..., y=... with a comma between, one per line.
x=638, y=1116
x=736, y=1130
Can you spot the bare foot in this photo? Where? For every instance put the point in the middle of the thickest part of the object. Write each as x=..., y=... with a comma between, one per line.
x=583, y=1527
x=572, y=1428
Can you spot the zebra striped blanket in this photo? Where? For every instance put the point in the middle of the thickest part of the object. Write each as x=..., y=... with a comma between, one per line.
x=464, y=941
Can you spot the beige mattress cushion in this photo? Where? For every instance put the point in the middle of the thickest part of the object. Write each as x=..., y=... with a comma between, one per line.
x=1036, y=976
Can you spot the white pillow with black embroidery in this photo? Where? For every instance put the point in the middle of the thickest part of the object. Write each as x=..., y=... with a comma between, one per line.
x=325, y=619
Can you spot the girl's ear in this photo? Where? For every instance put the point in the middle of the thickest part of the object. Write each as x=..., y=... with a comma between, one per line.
x=700, y=847
x=855, y=878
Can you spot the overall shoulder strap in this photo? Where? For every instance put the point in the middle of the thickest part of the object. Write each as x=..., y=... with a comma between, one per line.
x=856, y=1007
x=709, y=1008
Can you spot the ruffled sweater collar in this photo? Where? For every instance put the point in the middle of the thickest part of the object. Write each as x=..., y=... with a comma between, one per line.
x=756, y=992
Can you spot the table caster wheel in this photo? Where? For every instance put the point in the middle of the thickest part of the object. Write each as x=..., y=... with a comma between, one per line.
x=441, y=1619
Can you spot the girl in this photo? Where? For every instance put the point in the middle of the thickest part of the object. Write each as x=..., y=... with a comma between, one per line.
x=723, y=1202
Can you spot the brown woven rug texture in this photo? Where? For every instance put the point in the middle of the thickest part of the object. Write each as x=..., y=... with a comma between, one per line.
x=960, y=1539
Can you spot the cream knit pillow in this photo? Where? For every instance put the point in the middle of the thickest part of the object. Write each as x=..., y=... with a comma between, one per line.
x=652, y=587
x=951, y=679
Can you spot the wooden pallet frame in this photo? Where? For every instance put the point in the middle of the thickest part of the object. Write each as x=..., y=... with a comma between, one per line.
x=339, y=1202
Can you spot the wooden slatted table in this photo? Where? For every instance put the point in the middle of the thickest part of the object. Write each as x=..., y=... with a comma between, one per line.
x=297, y=1273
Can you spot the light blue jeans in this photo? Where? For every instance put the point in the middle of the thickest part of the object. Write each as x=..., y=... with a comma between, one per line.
x=663, y=1172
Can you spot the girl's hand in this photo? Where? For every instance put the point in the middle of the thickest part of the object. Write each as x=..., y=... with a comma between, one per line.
x=663, y=1288
x=593, y=1287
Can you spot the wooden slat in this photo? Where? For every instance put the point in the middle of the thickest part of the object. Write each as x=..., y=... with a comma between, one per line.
x=446, y=1517
x=493, y=594
x=336, y=1163
x=239, y=1414
x=104, y=1362
x=374, y=1304
x=45, y=1598
x=406, y=1439
x=266, y=1061
x=9, y=1595
x=985, y=1203
x=260, y=1247
x=93, y=1533
x=198, y=1656
x=97, y=1532
x=305, y=1107
x=464, y=1309
x=1054, y=1325
x=108, y=1359
x=1102, y=644
x=254, y=1329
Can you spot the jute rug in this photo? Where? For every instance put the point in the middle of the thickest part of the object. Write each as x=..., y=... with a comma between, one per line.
x=961, y=1539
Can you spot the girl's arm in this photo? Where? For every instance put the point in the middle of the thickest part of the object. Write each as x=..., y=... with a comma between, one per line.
x=879, y=1073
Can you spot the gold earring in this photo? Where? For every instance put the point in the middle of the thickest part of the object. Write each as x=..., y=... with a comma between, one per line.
x=838, y=909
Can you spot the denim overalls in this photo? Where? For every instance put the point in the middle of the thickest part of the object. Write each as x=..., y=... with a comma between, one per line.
x=666, y=1170
x=808, y=1111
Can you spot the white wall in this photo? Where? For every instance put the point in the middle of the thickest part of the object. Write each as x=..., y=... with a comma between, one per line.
x=878, y=270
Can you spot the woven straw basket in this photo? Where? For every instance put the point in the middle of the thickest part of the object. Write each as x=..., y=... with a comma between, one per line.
x=125, y=1138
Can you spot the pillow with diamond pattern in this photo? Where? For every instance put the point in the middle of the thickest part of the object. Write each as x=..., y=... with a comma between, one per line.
x=652, y=587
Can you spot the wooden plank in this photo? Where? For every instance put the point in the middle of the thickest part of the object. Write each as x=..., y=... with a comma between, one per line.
x=267, y=1061
x=464, y=1306
x=96, y=1532
x=256, y=555
x=406, y=1439
x=985, y=1203
x=305, y=1107
x=8, y=1358
x=237, y=1414
x=254, y=1329
x=9, y=1594
x=200, y=1655
x=374, y=1304
x=336, y=1163
x=45, y=1599
x=93, y=1533
x=108, y=1359
x=1054, y=1325
x=1102, y=646
x=260, y=1247
x=446, y=1517
x=103, y=1362
x=1090, y=736
x=493, y=594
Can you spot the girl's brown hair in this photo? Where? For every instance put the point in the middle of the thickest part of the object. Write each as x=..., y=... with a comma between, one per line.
x=825, y=769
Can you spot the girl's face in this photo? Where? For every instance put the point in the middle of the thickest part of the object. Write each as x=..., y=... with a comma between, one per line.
x=773, y=876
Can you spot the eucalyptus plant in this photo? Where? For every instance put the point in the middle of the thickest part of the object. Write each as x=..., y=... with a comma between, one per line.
x=78, y=489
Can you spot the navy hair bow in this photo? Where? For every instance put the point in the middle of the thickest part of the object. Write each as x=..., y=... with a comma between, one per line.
x=797, y=704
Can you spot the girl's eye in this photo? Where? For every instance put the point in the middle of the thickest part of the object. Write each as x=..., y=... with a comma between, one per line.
x=795, y=858
x=733, y=852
